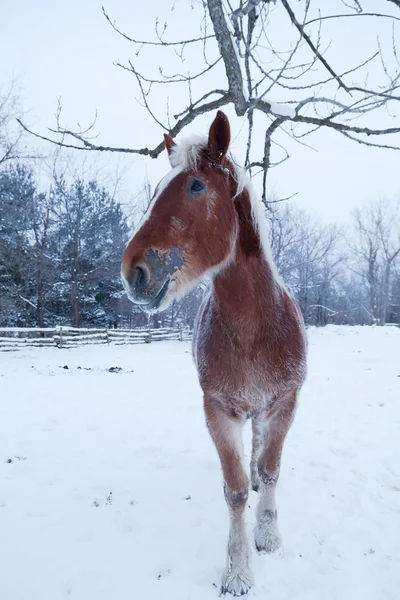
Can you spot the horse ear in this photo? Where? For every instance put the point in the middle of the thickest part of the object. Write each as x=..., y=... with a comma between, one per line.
x=219, y=137
x=168, y=143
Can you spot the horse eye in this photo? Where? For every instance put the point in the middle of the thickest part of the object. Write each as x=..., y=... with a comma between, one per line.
x=196, y=187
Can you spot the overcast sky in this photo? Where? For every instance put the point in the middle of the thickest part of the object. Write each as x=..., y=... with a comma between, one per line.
x=67, y=50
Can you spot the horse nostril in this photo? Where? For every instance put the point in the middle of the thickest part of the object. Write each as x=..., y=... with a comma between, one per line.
x=139, y=278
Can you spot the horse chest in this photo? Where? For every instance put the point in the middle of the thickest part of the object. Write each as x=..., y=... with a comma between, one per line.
x=243, y=380
x=245, y=370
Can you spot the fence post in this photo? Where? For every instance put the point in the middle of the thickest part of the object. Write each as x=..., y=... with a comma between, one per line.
x=107, y=338
x=148, y=340
x=60, y=340
x=181, y=332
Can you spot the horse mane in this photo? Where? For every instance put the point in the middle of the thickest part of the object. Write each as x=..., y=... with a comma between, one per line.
x=188, y=154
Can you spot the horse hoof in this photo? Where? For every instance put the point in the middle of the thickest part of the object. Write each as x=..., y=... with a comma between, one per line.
x=236, y=582
x=268, y=543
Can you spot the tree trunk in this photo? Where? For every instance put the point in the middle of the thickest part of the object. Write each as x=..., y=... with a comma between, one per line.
x=372, y=290
x=75, y=303
x=75, y=306
x=40, y=296
x=229, y=55
x=41, y=273
x=385, y=294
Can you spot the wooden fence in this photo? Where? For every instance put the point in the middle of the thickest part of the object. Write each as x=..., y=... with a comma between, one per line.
x=15, y=338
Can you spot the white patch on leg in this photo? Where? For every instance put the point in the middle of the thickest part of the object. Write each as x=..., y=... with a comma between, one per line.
x=237, y=578
x=266, y=534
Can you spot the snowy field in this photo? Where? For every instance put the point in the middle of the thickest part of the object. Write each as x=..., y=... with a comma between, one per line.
x=110, y=488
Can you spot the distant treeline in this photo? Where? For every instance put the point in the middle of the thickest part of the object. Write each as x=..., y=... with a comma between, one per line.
x=60, y=254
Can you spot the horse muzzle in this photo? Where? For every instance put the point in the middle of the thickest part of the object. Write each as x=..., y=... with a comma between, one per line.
x=147, y=275
x=143, y=290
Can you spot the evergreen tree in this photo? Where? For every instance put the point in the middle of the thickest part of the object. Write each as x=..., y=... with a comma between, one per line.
x=17, y=278
x=90, y=237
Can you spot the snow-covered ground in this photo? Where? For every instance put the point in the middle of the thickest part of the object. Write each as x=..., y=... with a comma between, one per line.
x=110, y=488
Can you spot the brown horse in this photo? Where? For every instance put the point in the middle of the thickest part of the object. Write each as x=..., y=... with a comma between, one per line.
x=249, y=342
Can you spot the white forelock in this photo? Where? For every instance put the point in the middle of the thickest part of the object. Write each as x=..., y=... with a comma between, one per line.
x=187, y=153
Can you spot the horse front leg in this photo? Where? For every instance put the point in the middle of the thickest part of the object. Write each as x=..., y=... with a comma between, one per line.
x=227, y=436
x=273, y=429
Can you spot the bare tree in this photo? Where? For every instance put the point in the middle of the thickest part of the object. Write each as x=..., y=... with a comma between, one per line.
x=238, y=45
x=388, y=225
x=10, y=110
x=307, y=256
x=364, y=243
x=375, y=245
x=395, y=305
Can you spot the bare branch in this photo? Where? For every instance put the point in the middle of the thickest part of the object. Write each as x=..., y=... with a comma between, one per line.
x=178, y=78
x=348, y=15
x=307, y=38
x=191, y=106
x=254, y=65
x=160, y=42
x=241, y=12
x=342, y=127
x=267, y=152
x=154, y=153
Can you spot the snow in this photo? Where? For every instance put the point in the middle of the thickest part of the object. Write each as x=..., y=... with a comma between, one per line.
x=280, y=110
x=114, y=488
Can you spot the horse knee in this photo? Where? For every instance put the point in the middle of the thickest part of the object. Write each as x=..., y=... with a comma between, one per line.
x=236, y=498
x=267, y=476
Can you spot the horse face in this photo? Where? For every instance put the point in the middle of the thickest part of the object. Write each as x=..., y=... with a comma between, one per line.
x=189, y=228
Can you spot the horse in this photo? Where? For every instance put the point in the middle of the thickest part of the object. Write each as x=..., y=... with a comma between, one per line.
x=249, y=343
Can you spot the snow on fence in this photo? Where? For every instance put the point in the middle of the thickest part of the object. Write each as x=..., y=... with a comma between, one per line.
x=14, y=338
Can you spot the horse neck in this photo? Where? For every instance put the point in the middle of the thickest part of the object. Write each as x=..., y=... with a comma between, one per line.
x=246, y=291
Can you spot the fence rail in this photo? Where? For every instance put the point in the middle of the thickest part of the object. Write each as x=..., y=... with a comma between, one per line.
x=15, y=338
